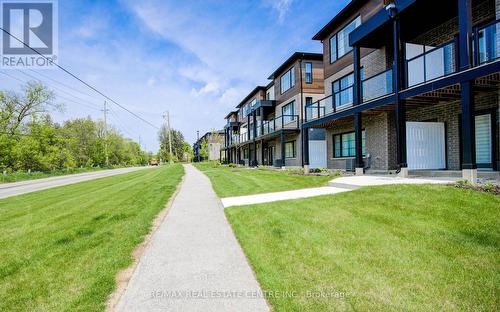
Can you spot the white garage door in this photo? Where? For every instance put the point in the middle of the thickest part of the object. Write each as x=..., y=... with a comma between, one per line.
x=425, y=145
x=317, y=154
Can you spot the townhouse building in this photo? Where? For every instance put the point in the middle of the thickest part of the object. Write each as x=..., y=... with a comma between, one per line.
x=215, y=143
x=266, y=128
x=411, y=85
x=408, y=85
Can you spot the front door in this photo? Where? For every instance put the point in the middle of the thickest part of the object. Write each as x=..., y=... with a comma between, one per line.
x=484, y=146
x=425, y=145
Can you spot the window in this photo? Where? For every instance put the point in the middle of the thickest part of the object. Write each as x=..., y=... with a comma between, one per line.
x=309, y=101
x=290, y=149
x=339, y=43
x=345, y=144
x=309, y=72
x=287, y=81
x=245, y=153
x=342, y=90
x=268, y=95
x=288, y=112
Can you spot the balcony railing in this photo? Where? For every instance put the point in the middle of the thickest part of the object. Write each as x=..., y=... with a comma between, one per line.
x=377, y=86
x=488, y=44
x=320, y=108
x=432, y=64
x=278, y=123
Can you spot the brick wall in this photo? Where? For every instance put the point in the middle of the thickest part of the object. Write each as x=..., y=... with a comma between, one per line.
x=380, y=142
x=445, y=32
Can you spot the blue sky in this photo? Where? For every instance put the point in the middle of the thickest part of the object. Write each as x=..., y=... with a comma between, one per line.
x=197, y=59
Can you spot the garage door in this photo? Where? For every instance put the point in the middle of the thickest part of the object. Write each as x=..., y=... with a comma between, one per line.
x=425, y=145
x=317, y=154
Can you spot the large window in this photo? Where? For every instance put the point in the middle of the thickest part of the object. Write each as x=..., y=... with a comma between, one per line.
x=288, y=112
x=345, y=144
x=309, y=72
x=287, y=81
x=342, y=90
x=290, y=149
x=339, y=43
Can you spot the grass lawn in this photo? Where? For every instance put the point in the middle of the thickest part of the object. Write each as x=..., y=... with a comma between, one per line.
x=420, y=248
x=244, y=181
x=61, y=249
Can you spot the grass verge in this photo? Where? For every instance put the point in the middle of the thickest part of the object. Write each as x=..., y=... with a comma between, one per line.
x=420, y=248
x=245, y=181
x=62, y=248
x=25, y=176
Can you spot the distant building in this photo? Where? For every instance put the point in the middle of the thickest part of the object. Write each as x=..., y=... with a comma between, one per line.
x=214, y=140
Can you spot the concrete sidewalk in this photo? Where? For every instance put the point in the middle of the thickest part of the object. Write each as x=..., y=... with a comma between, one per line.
x=277, y=196
x=339, y=185
x=194, y=262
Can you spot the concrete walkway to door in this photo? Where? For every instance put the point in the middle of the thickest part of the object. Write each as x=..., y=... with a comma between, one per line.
x=193, y=262
x=339, y=185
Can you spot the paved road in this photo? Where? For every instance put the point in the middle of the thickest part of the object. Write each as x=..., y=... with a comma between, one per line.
x=193, y=262
x=18, y=188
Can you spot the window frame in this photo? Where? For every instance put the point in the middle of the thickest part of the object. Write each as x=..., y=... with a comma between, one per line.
x=340, y=135
x=335, y=35
x=311, y=79
x=342, y=89
x=291, y=70
x=294, y=149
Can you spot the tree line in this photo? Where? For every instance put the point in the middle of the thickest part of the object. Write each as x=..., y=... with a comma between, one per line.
x=31, y=140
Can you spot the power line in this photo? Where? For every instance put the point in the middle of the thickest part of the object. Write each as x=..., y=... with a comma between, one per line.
x=61, y=90
x=81, y=80
x=59, y=96
x=57, y=88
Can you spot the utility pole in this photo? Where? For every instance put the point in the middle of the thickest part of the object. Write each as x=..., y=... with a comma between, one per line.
x=167, y=117
x=105, y=111
x=198, y=145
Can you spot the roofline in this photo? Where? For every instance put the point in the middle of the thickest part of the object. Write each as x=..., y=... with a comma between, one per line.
x=295, y=56
x=332, y=23
x=258, y=88
x=269, y=85
x=230, y=113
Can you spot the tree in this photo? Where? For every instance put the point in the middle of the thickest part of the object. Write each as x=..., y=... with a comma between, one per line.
x=16, y=108
x=204, y=150
x=177, y=144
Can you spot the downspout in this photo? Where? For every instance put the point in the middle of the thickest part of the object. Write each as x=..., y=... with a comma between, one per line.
x=301, y=110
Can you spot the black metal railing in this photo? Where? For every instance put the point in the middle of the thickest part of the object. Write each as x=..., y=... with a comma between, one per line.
x=278, y=123
x=377, y=86
x=432, y=64
x=488, y=45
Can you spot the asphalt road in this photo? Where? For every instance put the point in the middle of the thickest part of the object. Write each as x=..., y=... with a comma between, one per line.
x=18, y=188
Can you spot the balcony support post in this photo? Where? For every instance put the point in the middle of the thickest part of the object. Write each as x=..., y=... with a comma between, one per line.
x=282, y=143
x=358, y=139
x=305, y=149
x=399, y=104
x=469, y=166
x=255, y=162
x=465, y=34
x=357, y=78
x=262, y=152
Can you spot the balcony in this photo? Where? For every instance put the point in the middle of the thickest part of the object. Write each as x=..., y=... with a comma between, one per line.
x=377, y=86
x=255, y=105
x=431, y=63
x=488, y=44
x=283, y=122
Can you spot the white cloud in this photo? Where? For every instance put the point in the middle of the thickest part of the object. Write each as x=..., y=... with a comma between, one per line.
x=281, y=6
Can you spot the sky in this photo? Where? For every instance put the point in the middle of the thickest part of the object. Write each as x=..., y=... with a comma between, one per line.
x=196, y=59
